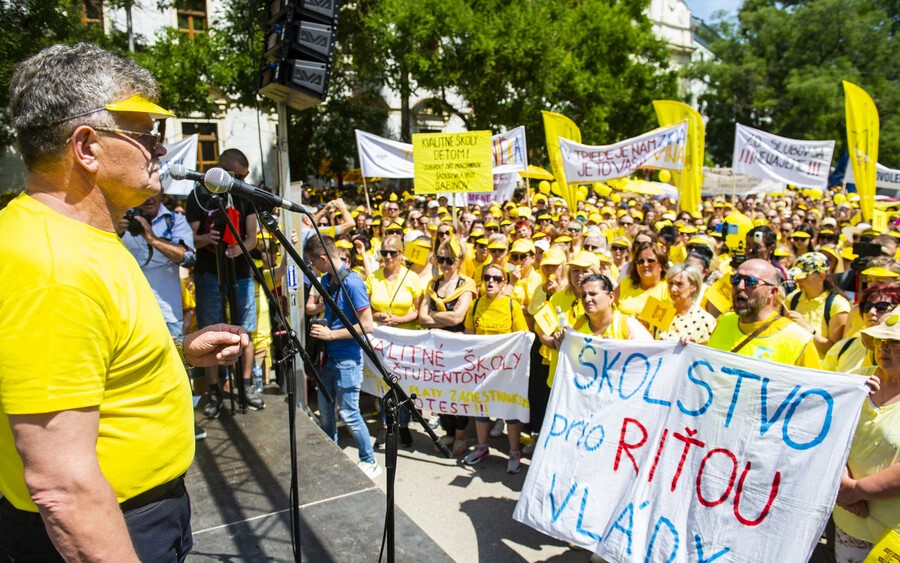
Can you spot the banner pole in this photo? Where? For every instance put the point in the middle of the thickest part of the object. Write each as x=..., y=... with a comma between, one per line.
x=366, y=190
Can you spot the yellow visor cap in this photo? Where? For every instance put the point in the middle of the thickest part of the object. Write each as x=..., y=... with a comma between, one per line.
x=140, y=104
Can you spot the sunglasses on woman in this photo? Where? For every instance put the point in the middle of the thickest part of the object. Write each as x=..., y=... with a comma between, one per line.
x=518, y=256
x=389, y=253
x=880, y=306
x=591, y=248
x=448, y=260
x=497, y=279
x=750, y=282
x=498, y=250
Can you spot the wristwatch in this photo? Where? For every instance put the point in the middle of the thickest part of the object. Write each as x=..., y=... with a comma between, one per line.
x=179, y=345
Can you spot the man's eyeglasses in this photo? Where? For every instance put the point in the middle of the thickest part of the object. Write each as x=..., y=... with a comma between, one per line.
x=880, y=306
x=497, y=279
x=750, y=282
x=389, y=253
x=151, y=144
x=518, y=256
x=448, y=260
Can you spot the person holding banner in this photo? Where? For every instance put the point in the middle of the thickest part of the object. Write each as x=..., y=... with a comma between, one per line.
x=649, y=265
x=395, y=293
x=444, y=307
x=755, y=328
x=691, y=322
x=495, y=313
x=818, y=305
x=600, y=318
x=868, y=503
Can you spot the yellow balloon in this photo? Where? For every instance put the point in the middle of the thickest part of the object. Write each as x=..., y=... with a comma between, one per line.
x=554, y=188
x=544, y=187
x=582, y=192
x=665, y=176
x=615, y=197
x=602, y=189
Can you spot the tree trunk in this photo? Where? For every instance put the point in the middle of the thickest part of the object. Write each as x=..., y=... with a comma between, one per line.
x=405, y=117
x=130, y=27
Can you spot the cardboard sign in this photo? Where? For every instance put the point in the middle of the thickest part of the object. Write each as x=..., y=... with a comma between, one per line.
x=546, y=319
x=453, y=162
x=416, y=254
x=654, y=451
x=657, y=313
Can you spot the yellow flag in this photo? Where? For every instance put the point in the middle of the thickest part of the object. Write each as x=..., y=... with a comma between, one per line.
x=689, y=180
x=862, y=143
x=557, y=125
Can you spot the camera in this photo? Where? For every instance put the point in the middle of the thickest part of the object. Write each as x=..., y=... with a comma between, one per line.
x=135, y=228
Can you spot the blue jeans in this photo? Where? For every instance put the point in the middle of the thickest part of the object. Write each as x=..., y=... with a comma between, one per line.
x=209, y=305
x=343, y=378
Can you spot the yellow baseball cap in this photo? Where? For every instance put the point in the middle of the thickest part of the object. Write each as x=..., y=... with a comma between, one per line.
x=522, y=245
x=583, y=259
x=139, y=104
x=554, y=256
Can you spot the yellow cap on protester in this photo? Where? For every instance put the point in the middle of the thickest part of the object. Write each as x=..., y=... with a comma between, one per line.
x=139, y=104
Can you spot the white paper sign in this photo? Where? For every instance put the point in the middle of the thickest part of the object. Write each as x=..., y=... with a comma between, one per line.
x=885, y=177
x=183, y=152
x=660, y=148
x=509, y=151
x=383, y=158
x=654, y=451
x=770, y=157
x=453, y=373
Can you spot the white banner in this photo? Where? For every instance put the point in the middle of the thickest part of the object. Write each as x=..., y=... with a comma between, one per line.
x=887, y=178
x=504, y=187
x=453, y=373
x=770, y=157
x=383, y=158
x=183, y=152
x=660, y=148
x=509, y=151
x=654, y=451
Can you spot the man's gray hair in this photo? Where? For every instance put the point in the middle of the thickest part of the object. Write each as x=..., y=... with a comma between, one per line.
x=51, y=93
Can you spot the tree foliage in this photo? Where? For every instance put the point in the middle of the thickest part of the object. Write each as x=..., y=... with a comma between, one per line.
x=779, y=68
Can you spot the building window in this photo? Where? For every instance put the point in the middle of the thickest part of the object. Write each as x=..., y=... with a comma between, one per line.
x=191, y=17
x=92, y=12
x=207, y=143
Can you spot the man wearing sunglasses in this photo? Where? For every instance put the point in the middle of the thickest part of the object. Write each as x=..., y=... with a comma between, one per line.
x=755, y=328
x=95, y=405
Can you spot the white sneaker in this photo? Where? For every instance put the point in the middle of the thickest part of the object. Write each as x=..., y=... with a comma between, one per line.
x=497, y=429
x=370, y=468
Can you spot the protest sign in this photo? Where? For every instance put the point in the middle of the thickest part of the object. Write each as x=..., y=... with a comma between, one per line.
x=886, y=178
x=654, y=451
x=183, y=152
x=656, y=313
x=508, y=151
x=453, y=373
x=452, y=162
x=770, y=157
x=660, y=148
x=383, y=158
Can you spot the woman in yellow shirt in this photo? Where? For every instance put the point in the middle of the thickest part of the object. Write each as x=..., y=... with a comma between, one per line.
x=395, y=293
x=495, y=313
x=646, y=275
x=817, y=304
x=876, y=304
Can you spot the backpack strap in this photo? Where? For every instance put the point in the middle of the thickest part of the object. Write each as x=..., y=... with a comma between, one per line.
x=795, y=300
x=846, y=346
x=829, y=301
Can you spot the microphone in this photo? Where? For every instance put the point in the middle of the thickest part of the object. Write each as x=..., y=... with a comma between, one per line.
x=181, y=172
x=219, y=181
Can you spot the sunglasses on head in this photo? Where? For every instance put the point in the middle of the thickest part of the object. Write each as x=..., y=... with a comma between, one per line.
x=880, y=306
x=389, y=253
x=490, y=278
x=448, y=260
x=750, y=282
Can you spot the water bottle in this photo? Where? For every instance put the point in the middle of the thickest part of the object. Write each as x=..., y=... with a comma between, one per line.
x=257, y=378
x=563, y=318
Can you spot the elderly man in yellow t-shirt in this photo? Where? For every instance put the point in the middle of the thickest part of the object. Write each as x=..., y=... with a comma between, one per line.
x=96, y=421
x=755, y=328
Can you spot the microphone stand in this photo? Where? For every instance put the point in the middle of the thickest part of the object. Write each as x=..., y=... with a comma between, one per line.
x=228, y=303
x=290, y=378
x=392, y=400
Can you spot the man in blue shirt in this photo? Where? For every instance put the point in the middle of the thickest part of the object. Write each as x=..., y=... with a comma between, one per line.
x=342, y=373
x=163, y=245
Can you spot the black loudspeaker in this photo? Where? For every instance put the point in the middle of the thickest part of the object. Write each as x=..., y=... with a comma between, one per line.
x=299, y=46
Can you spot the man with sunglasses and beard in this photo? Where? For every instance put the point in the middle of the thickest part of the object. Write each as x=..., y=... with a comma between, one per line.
x=755, y=328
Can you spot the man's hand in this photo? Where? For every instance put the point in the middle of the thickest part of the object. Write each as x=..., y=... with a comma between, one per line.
x=233, y=251
x=219, y=344
x=321, y=332
x=147, y=231
x=212, y=237
x=122, y=226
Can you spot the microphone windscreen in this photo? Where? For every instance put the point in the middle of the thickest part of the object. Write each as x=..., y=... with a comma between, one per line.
x=178, y=171
x=217, y=180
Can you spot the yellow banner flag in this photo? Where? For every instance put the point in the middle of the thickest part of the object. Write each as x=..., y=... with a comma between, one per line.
x=689, y=180
x=862, y=143
x=557, y=125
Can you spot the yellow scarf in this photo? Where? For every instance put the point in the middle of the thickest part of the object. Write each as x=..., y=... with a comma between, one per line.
x=468, y=285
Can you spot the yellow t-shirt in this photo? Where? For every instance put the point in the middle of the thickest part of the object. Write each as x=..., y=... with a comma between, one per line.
x=524, y=288
x=397, y=297
x=82, y=328
x=632, y=298
x=847, y=355
x=875, y=447
x=854, y=322
x=813, y=310
x=500, y=315
x=783, y=341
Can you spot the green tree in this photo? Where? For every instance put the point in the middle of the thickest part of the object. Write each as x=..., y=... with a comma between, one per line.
x=779, y=68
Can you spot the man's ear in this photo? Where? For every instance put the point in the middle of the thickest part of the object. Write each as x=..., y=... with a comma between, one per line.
x=85, y=148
